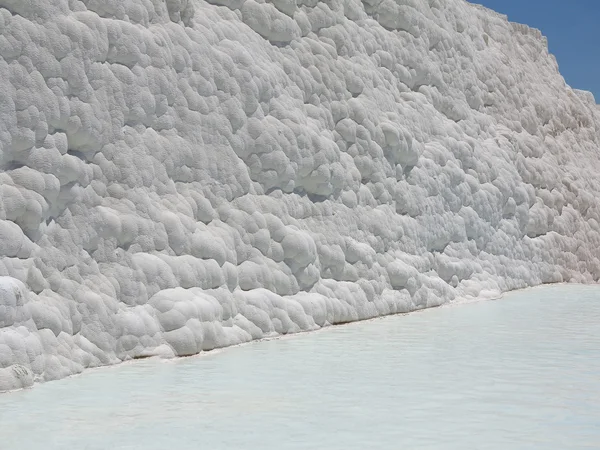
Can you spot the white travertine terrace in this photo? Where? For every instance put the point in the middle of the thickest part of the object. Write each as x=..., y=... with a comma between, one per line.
x=181, y=175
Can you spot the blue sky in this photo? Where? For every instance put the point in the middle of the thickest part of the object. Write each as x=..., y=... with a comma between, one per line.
x=573, y=31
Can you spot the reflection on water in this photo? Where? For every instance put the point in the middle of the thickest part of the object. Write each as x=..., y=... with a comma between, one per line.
x=519, y=373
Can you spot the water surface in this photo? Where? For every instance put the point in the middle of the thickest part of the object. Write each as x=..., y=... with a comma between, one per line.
x=522, y=372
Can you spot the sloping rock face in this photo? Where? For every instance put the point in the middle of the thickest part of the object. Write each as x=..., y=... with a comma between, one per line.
x=181, y=175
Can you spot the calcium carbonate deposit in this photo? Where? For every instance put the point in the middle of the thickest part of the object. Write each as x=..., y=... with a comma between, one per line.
x=181, y=175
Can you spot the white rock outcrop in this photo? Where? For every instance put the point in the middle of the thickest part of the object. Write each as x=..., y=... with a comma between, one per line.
x=181, y=175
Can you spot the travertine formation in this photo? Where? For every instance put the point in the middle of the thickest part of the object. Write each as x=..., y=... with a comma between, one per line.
x=180, y=175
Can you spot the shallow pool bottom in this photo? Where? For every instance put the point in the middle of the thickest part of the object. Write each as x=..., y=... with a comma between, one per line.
x=520, y=372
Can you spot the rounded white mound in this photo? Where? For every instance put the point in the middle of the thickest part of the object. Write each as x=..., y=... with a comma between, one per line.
x=182, y=175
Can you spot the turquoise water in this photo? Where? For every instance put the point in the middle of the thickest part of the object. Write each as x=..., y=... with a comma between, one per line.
x=522, y=372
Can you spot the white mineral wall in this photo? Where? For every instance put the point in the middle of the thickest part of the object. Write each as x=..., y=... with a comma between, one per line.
x=180, y=175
